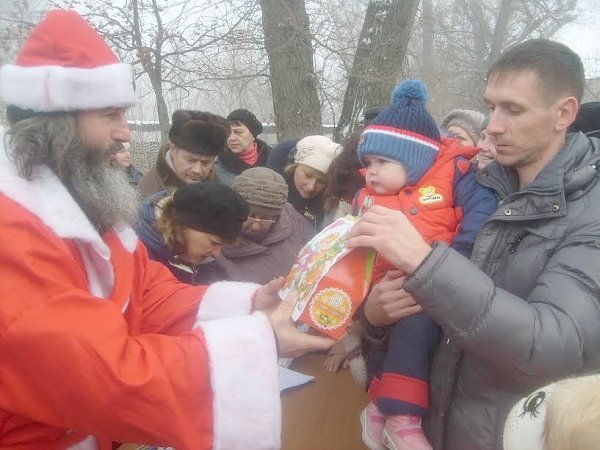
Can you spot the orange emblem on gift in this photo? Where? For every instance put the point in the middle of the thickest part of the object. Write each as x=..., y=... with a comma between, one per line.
x=330, y=308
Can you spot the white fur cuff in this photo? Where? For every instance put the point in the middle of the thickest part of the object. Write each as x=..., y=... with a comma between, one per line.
x=245, y=383
x=226, y=299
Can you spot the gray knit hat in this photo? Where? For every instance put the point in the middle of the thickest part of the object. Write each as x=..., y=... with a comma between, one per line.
x=469, y=120
x=263, y=189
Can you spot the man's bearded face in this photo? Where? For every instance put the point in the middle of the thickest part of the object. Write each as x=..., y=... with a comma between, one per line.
x=97, y=182
x=77, y=147
x=100, y=186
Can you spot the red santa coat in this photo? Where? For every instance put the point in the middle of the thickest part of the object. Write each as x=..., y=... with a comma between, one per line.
x=100, y=344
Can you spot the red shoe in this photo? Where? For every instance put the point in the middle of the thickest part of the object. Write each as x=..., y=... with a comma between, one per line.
x=372, y=422
x=404, y=432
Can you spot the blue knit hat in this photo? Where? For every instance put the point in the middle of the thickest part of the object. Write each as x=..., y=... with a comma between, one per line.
x=404, y=132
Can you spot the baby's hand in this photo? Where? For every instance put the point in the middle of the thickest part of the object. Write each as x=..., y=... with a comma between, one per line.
x=336, y=359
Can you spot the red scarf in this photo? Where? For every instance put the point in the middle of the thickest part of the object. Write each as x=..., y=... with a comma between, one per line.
x=250, y=157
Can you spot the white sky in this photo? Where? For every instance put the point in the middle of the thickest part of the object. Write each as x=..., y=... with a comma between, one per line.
x=583, y=36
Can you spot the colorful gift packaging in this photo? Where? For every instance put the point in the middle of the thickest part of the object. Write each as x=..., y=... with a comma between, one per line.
x=331, y=279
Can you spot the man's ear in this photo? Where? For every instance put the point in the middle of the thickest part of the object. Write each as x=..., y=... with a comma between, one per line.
x=567, y=112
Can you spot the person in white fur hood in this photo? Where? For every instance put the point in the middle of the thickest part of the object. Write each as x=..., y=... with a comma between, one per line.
x=98, y=343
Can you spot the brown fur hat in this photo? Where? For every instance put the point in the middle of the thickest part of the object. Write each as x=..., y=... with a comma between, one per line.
x=199, y=132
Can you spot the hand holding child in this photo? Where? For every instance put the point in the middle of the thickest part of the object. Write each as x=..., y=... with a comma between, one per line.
x=388, y=302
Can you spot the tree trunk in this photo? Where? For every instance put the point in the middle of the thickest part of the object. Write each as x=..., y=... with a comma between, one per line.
x=428, y=73
x=378, y=59
x=293, y=81
x=482, y=36
x=500, y=29
x=164, y=119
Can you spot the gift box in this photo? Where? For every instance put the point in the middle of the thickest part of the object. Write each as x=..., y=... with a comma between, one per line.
x=331, y=279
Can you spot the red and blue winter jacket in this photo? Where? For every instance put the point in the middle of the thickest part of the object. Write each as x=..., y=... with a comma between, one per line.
x=447, y=204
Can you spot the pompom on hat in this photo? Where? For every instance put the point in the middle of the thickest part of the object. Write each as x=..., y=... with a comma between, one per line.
x=316, y=152
x=65, y=65
x=404, y=132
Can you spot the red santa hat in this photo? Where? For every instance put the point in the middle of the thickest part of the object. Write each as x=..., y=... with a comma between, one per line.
x=66, y=66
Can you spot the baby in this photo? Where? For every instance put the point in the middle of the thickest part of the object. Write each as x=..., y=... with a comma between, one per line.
x=409, y=168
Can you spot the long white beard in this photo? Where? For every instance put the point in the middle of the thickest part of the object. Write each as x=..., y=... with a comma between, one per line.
x=101, y=188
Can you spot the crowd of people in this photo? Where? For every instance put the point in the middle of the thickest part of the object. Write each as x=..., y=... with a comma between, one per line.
x=486, y=282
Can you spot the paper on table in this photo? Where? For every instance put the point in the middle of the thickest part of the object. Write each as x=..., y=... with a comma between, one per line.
x=290, y=378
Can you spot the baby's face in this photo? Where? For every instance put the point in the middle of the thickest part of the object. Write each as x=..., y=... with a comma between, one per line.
x=384, y=177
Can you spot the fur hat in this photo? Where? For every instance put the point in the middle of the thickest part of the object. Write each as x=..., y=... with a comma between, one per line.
x=404, y=132
x=248, y=119
x=65, y=65
x=199, y=132
x=264, y=189
x=317, y=152
x=210, y=207
x=469, y=120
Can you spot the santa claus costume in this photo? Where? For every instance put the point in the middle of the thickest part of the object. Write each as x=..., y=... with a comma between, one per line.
x=99, y=344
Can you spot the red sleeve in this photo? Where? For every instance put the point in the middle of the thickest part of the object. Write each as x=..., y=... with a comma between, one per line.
x=70, y=361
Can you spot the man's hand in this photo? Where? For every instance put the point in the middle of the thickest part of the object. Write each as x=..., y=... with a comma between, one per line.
x=291, y=341
x=392, y=235
x=388, y=302
x=266, y=298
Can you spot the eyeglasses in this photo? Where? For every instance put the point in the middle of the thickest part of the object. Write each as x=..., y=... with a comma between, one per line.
x=258, y=220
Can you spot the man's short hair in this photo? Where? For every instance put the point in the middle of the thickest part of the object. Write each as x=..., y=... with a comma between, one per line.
x=558, y=68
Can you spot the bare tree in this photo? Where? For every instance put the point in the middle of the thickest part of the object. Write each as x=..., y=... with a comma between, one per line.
x=177, y=44
x=298, y=62
x=469, y=36
x=378, y=60
x=500, y=29
x=293, y=81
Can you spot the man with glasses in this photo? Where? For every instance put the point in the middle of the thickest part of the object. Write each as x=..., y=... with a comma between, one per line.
x=272, y=235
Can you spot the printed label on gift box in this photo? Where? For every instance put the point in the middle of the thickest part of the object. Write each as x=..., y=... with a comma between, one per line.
x=330, y=308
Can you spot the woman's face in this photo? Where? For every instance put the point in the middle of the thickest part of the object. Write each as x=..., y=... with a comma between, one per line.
x=123, y=157
x=487, y=153
x=257, y=226
x=200, y=246
x=463, y=137
x=240, y=139
x=309, y=182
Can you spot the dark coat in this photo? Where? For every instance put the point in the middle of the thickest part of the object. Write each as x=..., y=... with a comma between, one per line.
x=260, y=262
x=229, y=165
x=158, y=251
x=525, y=311
x=282, y=155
